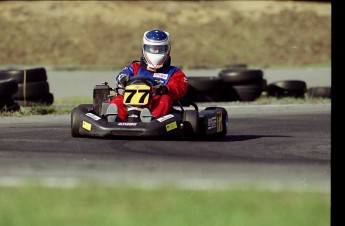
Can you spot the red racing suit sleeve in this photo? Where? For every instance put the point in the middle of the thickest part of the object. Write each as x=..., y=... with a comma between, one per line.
x=177, y=85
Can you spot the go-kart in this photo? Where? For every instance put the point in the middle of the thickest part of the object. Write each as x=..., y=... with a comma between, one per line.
x=185, y=121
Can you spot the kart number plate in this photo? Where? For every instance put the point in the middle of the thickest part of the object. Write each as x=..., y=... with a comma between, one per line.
x=137, y=94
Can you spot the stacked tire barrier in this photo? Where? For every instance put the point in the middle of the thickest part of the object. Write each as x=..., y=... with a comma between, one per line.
x=319, y=92
x=242, y=84
x=296, y=89
x=204, y=89
x=32, y=86
x=239, y=83
x=235, y=83
x=287, y=88
x=8, y=87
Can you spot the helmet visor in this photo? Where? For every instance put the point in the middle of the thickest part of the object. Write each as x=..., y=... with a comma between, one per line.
x=156, y=49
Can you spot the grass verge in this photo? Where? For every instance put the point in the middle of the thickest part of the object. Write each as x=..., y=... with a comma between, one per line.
x=38, y=205
x=97, y=33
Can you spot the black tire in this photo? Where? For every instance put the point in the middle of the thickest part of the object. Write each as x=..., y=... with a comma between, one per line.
x=47, y=99
x=225, y=119
x=291, y=84
x=190, y=124
x=33, y=89
x=2, y=105
x=264, y=85
x=29, y=75
x=4, y=101
x=245, y=92
x=229, y=93
x=76, y=120
x=319, y=92
x=8, y=87
x=203, y=96
x=204, y=84
x=13, y=106
x=287, y=88
x=248, y=92
x=239, y=65
x=240, y=75
x=204, y=89
x=9, y=105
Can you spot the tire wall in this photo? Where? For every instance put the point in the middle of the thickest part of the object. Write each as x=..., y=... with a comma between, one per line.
x=234, y=83
x=245, y=84
x=32, y=87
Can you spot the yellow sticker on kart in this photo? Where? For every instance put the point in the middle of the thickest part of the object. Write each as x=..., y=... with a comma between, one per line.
x=219, y=122
x=137, y=94
x=86, y=126
x=171, y=126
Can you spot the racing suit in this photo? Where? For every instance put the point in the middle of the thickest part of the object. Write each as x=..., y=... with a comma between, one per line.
x=172, y=77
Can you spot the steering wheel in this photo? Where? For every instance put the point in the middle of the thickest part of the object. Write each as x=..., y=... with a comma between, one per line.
x=142, y=79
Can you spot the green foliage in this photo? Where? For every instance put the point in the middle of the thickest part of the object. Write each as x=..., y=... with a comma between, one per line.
x=265, y=99
x=36, y=110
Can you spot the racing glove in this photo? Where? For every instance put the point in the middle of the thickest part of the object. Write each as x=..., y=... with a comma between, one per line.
x=160, y=89
x=123, y=80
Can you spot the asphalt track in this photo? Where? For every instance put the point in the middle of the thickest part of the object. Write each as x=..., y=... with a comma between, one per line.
x=267, y=146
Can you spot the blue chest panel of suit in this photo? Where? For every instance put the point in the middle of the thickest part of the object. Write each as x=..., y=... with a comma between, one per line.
x=161, y=77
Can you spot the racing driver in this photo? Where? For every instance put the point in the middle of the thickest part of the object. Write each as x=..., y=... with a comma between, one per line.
x=155, y=63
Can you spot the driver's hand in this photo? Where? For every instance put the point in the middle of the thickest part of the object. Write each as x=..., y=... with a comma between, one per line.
x=160, y=89
x=123, y=80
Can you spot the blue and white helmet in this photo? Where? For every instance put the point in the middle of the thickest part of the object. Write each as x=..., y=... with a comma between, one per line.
x=156, y=48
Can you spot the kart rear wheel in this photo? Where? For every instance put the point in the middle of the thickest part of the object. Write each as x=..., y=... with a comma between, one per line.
x=225, y=121
x=190, y=124
x=76, y=120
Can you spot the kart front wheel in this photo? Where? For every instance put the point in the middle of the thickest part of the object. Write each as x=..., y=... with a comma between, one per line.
x=76, y=119
x=224, y=122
